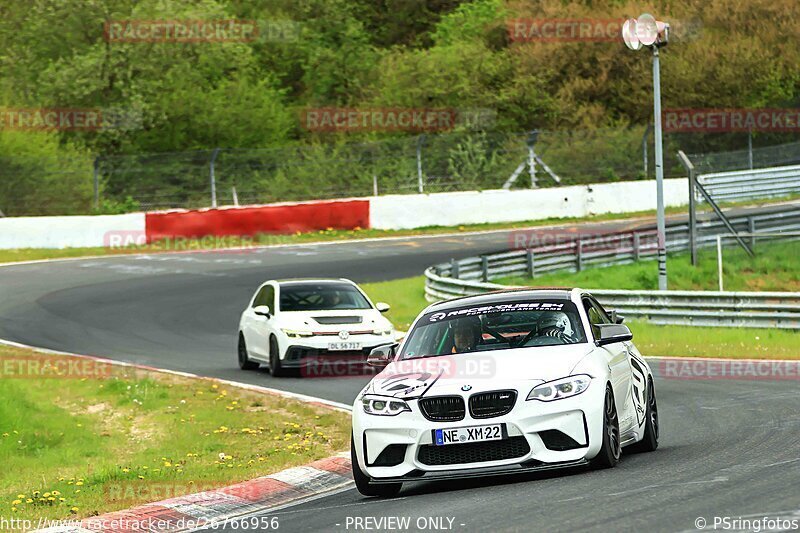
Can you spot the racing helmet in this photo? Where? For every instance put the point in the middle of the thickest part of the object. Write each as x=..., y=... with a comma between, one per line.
x=471, y=324
x=551, y=320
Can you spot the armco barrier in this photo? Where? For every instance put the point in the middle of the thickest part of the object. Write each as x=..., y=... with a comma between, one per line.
x=274, y=218
x=687, y=308
x=751, y=184
x=691, y=308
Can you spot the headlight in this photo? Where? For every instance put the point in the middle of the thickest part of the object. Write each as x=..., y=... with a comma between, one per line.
x=383, y=406
x=294, y=334
x=560, y=388
x=382, y=332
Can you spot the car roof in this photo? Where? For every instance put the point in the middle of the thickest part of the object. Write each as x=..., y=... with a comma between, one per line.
x=506, y=295
x=293, y=281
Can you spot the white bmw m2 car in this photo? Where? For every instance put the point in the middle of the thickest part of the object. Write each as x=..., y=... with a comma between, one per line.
x=505, y=382
x=304, y=323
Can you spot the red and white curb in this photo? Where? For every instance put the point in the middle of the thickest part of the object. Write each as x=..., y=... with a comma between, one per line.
x=205, y=509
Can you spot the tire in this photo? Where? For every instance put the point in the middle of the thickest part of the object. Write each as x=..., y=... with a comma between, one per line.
x=275, y=366
x=649, y=442
x=244, y=361
x=608, y=457
x=382, y=490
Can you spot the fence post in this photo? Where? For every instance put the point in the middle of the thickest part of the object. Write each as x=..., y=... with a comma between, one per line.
x=636, y=247
x=97, y=182
x=644, y=147
x=484, y=268
x=579, y=255
x=213, y=181
x=531, y=141
x=374, y=185
x=751, y=228
x=687, y=164
x=420, y=183
x=529, y=263
x=454, y=269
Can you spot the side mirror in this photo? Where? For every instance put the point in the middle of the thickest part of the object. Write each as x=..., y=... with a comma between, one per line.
x=611, y=333
x=261, y=310
x=617, y=318
x=381, y=356
x=382, y=307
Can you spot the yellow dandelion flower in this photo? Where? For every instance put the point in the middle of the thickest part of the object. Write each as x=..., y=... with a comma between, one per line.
x=16, y=502
x=74, y=510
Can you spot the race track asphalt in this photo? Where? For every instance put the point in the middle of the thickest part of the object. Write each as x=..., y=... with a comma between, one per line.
x=729, y=448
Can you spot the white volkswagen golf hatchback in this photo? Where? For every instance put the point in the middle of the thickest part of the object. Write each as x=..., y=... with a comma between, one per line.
x=297, y=324
x=505, y=382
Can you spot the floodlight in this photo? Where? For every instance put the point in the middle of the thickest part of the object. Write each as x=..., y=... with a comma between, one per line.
x=629, y=35
x=647, y=29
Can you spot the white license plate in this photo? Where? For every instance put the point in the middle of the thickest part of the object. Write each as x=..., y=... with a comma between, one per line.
x=343, y=346
x=443, y=437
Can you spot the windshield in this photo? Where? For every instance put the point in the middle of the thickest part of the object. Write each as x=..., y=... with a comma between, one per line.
x=498, y=326
x=321, y=296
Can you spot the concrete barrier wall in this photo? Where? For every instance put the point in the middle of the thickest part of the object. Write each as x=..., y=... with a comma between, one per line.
x=382, y=212
x=475, y=207
x=67, y=231
x=251, y=220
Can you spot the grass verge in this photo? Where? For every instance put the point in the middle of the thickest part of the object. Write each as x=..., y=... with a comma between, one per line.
x=329, y=235
x=774, y=268
x=94, y=439
x=407, y=297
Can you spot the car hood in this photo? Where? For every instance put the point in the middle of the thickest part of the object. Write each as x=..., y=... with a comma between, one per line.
x=480, y=371
x=365, y=319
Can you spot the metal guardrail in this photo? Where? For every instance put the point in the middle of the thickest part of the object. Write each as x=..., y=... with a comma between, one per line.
x=695, y=308
x=752, y=184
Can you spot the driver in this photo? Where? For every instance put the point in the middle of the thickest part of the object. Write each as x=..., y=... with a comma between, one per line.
x=466, y=334
x=555, y=324
x=331, y=300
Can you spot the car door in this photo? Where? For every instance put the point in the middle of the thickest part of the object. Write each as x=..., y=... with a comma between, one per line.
x=256, y=327
x=618, y=361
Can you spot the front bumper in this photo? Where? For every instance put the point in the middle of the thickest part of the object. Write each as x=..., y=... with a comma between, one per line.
x=311, y=354
x=540, y=435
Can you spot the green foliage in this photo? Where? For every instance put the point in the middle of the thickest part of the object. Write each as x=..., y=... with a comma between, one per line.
x=37, y=172
x=364, y=54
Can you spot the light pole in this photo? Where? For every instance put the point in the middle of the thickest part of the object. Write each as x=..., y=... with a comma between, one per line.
x=647, y=31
